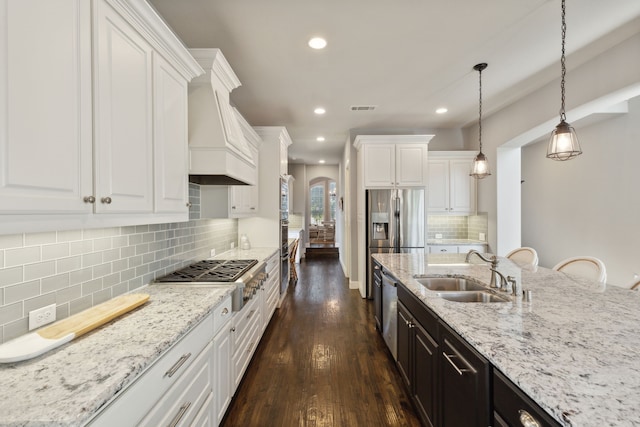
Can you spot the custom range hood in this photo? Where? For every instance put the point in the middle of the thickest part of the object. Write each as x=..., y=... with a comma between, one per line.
x=219, y=153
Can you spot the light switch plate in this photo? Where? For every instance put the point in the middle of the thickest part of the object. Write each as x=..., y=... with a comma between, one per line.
x=482, y=236
x=438, y=235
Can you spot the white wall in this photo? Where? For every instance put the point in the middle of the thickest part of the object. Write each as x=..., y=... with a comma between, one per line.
x=589, y=205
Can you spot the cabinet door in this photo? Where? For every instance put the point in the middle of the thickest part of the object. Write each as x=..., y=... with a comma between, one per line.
x=425, y=377
x=170, y=138
x=45, y=106
x=438, y=186
x=462, y=187
x=379, y=165
x=405, y=345
x=243, y=200
x=222, y=388
x=123, y=115
x=464, y=385
x=411, y=162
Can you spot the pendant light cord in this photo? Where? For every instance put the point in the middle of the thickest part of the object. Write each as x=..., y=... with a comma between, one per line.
x=562, y=64
x=480, y=109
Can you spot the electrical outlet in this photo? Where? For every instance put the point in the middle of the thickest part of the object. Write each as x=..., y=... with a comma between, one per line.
x=481, y=236
x=438, y=235
x=233, y=245
x=213, y=252
x=42, y=316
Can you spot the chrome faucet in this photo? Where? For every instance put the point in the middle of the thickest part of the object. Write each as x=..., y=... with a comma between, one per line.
x=494, y=267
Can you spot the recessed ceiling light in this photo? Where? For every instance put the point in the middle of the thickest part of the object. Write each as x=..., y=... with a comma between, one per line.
x=317, y=43
x=441, y=110
x=319, y=110
x=320, y=139
x=320, y=161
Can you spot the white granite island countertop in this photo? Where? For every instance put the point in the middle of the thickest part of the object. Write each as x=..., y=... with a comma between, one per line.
x=574, y=349
x=66, y=386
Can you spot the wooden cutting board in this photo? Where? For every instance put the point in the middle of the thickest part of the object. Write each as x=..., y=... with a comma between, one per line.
x=36, y=343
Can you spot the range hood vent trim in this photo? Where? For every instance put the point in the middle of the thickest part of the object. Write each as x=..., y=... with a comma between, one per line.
x=219, y=153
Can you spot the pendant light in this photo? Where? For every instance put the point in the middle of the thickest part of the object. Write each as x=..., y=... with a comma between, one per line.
x=563, y=144
x=480, y=166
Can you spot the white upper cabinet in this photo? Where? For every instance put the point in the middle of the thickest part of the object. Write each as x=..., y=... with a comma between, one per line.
x=45, y=106
x=393, y=160
x=451, y=189
x=170, y=139
x=123, y=115
x=98, y=135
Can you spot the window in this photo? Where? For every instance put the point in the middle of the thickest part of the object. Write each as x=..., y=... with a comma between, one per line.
x=317, y=203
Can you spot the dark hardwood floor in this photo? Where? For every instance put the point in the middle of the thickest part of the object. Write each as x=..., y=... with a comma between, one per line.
x=321, y=363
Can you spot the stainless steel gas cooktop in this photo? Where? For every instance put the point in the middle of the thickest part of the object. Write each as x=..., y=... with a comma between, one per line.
x=211, y=270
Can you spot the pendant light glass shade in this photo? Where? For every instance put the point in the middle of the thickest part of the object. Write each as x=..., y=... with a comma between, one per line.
x=563, y=144
x=480, y=165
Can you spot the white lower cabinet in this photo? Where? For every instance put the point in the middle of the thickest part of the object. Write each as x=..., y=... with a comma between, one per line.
x=222, y=386
x=205, y=416
x=165, y=376
x=271, y=289
x=180, y=405
x=246, y=333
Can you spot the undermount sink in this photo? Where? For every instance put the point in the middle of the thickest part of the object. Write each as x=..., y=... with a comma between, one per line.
x=450, y=284
x=473, y=296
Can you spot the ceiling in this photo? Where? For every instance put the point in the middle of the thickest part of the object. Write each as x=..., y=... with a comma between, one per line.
x=405, y=57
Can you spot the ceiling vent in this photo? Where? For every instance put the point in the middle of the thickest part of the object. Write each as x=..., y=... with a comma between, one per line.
x=363, y=107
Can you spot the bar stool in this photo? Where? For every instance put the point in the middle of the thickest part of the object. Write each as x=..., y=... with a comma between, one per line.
x=524, y=256
x=584, y=266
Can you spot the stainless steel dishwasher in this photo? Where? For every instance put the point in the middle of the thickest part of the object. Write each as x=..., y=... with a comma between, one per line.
x=390, y=313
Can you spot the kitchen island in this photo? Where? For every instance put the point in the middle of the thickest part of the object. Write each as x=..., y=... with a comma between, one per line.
x=573, y=349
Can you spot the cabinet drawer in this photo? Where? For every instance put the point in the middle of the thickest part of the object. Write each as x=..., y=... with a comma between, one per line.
x=222, y=314
x=509, y=402
x=134, y=401
x=443, y=249
x=180, y=405
x=242, y=355
x=204, y=417
x=244, y=320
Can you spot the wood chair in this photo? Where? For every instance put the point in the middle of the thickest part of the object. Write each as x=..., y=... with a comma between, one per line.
x=584, y=266
x=524, y=256
x=293, y=274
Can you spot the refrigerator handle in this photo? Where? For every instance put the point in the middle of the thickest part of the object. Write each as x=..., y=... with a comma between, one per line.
x=396, y=222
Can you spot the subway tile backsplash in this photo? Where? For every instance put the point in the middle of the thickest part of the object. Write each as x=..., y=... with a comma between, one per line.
x=81, y=268
x=457, y=227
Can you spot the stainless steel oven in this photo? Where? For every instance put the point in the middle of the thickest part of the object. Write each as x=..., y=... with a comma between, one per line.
x=284, y=235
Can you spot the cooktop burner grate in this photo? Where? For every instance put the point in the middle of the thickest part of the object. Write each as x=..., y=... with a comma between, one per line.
x=211, y=270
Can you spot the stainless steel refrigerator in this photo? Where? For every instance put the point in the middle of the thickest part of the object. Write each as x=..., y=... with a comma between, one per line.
x=395, y=224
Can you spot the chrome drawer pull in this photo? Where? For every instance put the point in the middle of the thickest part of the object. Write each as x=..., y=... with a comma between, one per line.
x=449, y=357
x=183, y=410
x=225, y=311
x=177, y=365
x=250, y=313
x=527, y=420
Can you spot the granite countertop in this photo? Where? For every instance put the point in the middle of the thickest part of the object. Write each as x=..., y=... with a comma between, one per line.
x=574, y=348
x=66, y=386
x=259, y=253
x=455, y=242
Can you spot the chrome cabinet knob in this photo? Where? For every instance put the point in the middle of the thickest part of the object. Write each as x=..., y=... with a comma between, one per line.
x=106, y=200
x=189, y=204
x=89, y=199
